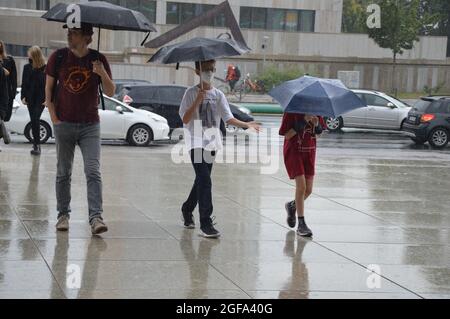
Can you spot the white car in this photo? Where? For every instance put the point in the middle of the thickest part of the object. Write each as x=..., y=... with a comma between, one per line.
x=382, y=112
x=117, y=122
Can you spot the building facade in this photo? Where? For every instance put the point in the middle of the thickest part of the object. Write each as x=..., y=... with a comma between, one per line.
x=283, y=32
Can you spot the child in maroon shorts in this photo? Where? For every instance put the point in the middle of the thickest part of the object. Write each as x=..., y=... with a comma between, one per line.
x=300, y=132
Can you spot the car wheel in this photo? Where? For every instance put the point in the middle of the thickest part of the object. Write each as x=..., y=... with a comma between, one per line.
x=438, y=137
x=45, y=132
x=334, y=124
x=418, y=141
x=140, y=135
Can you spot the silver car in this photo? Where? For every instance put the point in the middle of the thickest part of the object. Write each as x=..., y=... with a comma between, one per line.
x=382, y=112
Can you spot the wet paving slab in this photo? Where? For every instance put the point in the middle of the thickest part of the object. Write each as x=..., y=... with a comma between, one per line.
x=380, y=207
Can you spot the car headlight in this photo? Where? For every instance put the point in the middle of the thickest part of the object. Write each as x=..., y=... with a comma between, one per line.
x=159, y=119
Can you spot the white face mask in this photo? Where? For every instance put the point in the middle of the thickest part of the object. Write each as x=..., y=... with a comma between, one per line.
x=207, y=76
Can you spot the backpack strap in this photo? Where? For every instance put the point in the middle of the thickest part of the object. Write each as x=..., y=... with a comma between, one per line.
x=61, y=55
x=93, y=56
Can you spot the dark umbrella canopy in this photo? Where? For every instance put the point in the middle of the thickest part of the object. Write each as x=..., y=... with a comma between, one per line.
x=315, y=96
x=103, y=15
x=198, y=49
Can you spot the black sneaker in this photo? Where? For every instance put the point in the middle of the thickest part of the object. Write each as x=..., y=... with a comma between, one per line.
x=36, y=150
x=291, y=210
x=208, y=231
x=188, y=220
x=303, y=229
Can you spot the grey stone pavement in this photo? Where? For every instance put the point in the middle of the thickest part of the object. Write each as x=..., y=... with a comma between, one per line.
x=379, y=203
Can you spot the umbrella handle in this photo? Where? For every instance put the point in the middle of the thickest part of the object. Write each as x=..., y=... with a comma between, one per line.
x=201, y=80
x=100, y=80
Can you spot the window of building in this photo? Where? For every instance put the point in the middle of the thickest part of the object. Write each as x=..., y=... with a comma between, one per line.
x=146, y=7
x=307, y=20
x=277, y=19
x=42, y=4
x=178, y=13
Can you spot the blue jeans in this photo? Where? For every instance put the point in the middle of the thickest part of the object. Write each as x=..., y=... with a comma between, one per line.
x=87, y=137
x=201, y=190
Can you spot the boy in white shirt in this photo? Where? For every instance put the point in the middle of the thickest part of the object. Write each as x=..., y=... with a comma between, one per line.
x=202, y=109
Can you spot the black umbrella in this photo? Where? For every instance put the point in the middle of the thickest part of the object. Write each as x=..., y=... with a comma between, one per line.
x=103, y=15
x=199, y=49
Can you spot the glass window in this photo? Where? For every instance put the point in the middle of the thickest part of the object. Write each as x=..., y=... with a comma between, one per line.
x=173, y=10
x=259, y=18
x=422, y=105
x=146, y=7
x=171, y=95
x=439, y=107
x=291, y=20
x=276, y=19
x=110, y=105
x=374, y=100
x=42, y=4
x=187, y=12
x=307, y=20
x=245, y=20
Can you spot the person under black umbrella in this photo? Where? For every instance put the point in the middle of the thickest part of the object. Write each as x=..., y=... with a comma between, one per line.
x=74, y=114
x=33, y=93
x=202, y=109
x=73, y=106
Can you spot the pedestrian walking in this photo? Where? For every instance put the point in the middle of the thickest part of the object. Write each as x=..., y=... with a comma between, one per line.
x=202, y=109
x=33, y=93
x=72, y=98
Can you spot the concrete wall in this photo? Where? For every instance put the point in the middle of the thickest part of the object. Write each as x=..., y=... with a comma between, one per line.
x=377, y=75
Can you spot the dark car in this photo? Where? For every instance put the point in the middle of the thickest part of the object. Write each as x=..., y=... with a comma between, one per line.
x=429, y=121
x=165, y=100
x=121, y=83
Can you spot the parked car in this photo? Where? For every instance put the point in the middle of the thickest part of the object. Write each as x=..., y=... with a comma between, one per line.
x=382, y=112
x=117, y=121
x=121, y=83
x=165, y=100
x=429, y=121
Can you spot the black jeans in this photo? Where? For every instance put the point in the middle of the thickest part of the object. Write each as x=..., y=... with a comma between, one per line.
x=202, y=161
x=35, y=116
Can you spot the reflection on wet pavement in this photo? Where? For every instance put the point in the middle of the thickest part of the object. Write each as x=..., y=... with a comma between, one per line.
x=373, y=204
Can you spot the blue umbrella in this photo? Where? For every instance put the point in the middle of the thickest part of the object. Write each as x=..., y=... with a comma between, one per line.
x=314, y=96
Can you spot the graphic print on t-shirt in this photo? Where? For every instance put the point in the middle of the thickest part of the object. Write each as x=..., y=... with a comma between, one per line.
x=206, y=113
x=77, y=79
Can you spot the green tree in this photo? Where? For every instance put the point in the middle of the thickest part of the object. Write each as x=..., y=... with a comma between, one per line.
x=401, y=26
x=354, y=16
x=438, y=12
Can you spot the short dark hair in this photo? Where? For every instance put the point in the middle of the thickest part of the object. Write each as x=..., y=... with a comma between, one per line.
x=197, y=63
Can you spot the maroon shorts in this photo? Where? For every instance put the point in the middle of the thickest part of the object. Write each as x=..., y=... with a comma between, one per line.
x=299, y=163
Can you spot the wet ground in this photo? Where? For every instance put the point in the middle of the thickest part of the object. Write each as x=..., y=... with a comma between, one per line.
x=379, y=203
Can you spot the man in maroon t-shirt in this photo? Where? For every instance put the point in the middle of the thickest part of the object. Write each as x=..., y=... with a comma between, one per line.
x=77, y=72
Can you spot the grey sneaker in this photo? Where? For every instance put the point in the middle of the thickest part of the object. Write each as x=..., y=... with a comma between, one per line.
x=291, y=210
x=98, y=226
x=63, y=223
x=4, y=133
x=303, y=229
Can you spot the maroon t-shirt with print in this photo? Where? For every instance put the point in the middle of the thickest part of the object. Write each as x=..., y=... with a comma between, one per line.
x=78, y=96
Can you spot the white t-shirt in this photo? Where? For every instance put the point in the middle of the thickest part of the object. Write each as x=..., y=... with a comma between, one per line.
x=204, y=127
